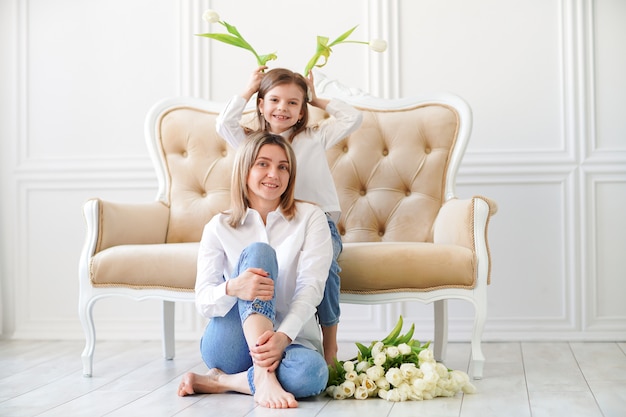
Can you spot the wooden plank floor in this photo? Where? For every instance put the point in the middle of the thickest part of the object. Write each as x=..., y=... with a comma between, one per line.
x=44, y=378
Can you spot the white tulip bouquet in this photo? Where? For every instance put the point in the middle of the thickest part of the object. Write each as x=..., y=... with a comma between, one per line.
x=397, y=368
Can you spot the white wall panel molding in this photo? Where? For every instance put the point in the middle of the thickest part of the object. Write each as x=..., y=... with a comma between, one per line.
x=74, y=102
x=603, y=243
x=365, y=323
x=384, y=24
x=194, y=50
x=105, y=167
x=605, y=64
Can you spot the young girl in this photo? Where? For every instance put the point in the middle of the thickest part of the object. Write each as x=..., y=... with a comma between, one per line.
x=262, y=268
x=281, y=106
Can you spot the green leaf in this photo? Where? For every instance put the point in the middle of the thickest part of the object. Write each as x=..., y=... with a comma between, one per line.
x=232, y=29
x=262, y=59
x=336, y=373
x=229, y=39
x=364, y=350
x=391, y=337
x=407, y=337
x=343, y=37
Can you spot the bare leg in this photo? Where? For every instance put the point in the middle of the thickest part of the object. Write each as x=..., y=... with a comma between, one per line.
x=269, y=393
x=329, y=334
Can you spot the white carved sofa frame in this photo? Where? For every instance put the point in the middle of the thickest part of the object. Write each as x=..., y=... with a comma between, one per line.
x=390, y=213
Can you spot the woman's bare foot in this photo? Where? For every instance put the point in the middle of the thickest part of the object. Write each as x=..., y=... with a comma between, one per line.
x=269, y=393
x=201, y=384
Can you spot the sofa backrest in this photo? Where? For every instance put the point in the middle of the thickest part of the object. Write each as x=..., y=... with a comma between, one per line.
x=392, y=174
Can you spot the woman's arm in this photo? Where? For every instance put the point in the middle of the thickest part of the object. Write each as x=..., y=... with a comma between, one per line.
x=210, y=288
x=315, y=257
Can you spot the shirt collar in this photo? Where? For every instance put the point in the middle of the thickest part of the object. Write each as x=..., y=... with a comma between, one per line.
x=277, y=212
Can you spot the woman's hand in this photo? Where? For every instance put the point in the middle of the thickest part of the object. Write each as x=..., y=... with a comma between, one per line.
x=251, y=284
x=269, y=349
x=254, y=82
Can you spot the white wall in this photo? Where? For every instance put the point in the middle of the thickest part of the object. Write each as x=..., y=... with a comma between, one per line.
x=544, y=78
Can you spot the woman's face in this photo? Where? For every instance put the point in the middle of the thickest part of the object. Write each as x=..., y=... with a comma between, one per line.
x=282, y=107
x=268, y=177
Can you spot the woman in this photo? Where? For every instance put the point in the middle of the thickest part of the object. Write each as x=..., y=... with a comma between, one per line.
x=262, y=268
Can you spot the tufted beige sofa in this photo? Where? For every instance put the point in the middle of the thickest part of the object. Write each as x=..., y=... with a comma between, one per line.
x=406, y=234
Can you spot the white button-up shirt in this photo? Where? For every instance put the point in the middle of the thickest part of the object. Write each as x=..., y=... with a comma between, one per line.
x=304, y=251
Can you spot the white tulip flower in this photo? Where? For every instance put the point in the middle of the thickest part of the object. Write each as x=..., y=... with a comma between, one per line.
x=404, y=349
x=426, y=356
x=377, y=348
x=383, y=393
x=378, y=45
x=409, y=370
x=393, y=352
x=338, y=393
x=348, y=388
x=382, y=383
x=394, y=376
x=211, y=16
x=362, y=366
x=360, y=393
x=380, y=359
x=351, y=376
x=375, y=372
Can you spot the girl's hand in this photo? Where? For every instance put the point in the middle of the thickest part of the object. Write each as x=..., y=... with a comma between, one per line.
x=313, y=99
x=269, y=349
x=254, y=82
x=250, y=284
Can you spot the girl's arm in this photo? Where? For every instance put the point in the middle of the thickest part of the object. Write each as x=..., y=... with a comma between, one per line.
x=345, y=118
x=228, y=122
x=254, y=83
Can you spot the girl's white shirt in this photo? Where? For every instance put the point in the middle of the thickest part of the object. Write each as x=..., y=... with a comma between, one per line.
x=314, y=181
x=304, y=252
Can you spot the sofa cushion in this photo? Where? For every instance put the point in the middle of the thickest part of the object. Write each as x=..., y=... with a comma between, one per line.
x=169, y=266
x=405, y=266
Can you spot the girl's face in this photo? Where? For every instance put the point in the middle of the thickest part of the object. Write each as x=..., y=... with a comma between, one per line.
x=282, y=107
x=268, y=177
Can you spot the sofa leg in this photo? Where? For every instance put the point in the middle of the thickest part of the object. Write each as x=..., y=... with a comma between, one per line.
x=441, y=330
x=169, y=346
x=85, y=313
x=478, y=359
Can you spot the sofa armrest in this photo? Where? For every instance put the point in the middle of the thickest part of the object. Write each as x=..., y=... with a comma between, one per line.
x=465, y=222
x=111, y=224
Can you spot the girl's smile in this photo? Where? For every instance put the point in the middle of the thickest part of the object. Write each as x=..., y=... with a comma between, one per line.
x=282, y=107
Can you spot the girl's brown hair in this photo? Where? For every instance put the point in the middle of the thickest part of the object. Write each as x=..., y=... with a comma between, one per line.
x=279, y=76
x=244, y=160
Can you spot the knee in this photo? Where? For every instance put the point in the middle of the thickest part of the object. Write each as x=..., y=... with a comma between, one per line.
x=307, y=377
x=259, y=247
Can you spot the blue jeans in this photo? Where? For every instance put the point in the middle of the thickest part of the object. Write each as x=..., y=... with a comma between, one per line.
x=302, y=371
x=329, y=311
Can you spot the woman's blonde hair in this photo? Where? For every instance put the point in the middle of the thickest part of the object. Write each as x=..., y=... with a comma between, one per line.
x=244, y=160
x=280, y=76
